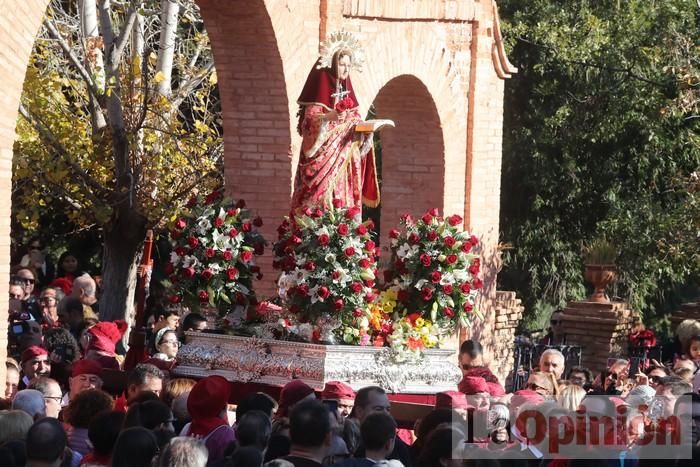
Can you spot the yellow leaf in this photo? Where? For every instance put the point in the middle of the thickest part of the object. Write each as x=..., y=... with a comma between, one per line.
x=213, y=79
x=158, y=77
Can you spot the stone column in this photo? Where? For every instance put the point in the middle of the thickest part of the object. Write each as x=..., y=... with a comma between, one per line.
x=509, y=312
x=601, y=329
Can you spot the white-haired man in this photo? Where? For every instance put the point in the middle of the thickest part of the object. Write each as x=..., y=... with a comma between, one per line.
x=552, y=361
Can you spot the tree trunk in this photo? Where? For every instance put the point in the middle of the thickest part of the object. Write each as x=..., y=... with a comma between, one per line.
x=123, y=239
x=93, y=59
x=166, y=51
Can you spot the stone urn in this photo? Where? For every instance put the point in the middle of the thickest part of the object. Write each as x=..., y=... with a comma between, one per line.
x=600, y=275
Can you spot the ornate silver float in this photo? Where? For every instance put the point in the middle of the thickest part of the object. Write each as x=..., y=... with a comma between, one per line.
x=275, y=362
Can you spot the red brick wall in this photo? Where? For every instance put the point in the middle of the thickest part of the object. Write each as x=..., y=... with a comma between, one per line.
x=413, y=166
x=19, y=23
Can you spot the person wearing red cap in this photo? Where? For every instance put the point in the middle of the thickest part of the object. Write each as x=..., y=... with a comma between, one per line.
x=471, y=361
x=292, y=393
x=103, y=338
x=453, y=400
x=85, y=374
x=35, y=362
x=342, y=394
x=207, y=405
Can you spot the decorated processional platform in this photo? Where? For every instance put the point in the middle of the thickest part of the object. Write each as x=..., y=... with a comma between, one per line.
x=340, y=313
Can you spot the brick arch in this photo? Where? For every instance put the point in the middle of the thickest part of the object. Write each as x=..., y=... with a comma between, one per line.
x=412, y=49
x=413, y=164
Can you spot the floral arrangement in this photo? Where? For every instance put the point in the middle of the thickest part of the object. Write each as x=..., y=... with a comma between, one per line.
x=214, y=244
x=434, y=274
x=327, y=260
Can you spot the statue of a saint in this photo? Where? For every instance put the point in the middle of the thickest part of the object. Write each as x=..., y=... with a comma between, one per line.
x=336, y=162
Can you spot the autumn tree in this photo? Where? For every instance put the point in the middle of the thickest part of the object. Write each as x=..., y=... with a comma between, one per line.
x=118, y=120
x=602, y=138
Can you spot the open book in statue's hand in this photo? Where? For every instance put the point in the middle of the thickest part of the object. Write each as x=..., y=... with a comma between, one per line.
x=371, y=126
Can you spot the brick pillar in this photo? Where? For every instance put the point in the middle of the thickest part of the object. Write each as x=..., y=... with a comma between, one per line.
x=509, y=312
x=601, y=329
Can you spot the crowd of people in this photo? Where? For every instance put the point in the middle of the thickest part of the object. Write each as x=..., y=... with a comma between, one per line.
x=58, y=410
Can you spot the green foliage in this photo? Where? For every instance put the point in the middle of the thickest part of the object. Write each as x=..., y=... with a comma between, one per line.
x=601, y=140
x=599, y=251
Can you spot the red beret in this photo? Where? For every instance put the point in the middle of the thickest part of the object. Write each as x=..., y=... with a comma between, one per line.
x=33, y=352
x=471, y=385
x=86, y=367
x=208, y=397
x=495, y=389
x=451, y=400
x=335, y=390
x=106, y=334
x=291, y=393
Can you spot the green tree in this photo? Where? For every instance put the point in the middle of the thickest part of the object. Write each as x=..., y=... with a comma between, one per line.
x=601, y=139
x=119, y=120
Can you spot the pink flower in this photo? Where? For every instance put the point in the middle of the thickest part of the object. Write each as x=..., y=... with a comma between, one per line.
x=357, y=312
x=246, y=227
x=413, y=239
x=356, y=287
x=335, y=275
x=218, y=222
x=425, y=259
x=477, y=284
x=180, y=224
x=228, y=256
x=338, y=304
x=174, y=299
x=369, y=297
x=447, y=289
x=393, y=233
x=467, y=307
x=246, y=256
x=324, y=239
x=435, y=212
x=427, y=218
x=435, y=277
x=449, y=241
x=474, y=240
x=181, y=251
x=303, y=290
x=403, y=295
x=231, y=212
x=233, y=232
x=192, y=242
x=323, y=292
x=338, y=203
x=210, y=253
x=448, y=312
x=349, y=251
x=207, y=274
x=432, y=235
x=363, y=263
x=361, y=229
x=466, y=246
x=451, y=259
x=343, y=229
x=465, y=288
x=232, y=274
x=203, y=296
x=309, y=265
x=426, y=294
x=474, y=269
x=370, y=246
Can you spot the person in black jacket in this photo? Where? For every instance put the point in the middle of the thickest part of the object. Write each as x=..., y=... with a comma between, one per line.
x=372, y=399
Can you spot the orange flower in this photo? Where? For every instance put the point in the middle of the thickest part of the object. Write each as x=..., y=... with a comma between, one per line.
x=379, y=341
x=414, y=343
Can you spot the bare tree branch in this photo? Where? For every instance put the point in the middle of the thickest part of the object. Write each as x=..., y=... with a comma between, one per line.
x=191, y=84
x=123, y=39
x=84, y=73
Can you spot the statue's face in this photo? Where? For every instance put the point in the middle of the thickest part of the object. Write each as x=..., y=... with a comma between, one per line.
x=344, y=67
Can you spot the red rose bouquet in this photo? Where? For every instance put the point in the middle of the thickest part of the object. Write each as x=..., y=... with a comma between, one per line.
x=214, y=243
x=327, y=260
x=434, y=272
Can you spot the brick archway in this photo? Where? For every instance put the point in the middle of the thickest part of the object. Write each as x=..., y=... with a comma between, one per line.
x=413, y=164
